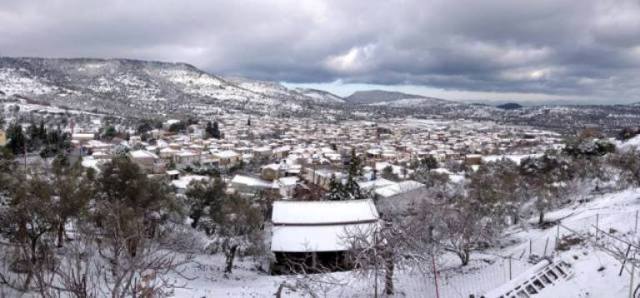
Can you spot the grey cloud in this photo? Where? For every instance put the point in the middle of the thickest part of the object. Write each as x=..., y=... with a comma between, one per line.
x=585, y=48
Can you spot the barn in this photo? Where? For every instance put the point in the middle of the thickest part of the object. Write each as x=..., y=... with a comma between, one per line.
x=315, y=235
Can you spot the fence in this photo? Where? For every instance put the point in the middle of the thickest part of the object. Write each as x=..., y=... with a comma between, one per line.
x=599, y=229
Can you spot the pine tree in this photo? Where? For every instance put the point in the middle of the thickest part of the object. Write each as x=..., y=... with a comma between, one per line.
x=336, y=190
x=17, y=139
x=215, y=131
x=351, y=188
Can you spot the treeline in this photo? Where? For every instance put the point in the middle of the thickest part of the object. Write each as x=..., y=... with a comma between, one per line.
x=37, y=138
x=116, y=219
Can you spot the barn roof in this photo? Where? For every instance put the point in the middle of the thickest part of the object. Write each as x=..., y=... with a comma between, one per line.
x=323, y=212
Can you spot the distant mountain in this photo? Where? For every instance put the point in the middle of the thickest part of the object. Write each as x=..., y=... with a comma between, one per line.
x=135, y=87
x=391, y=98
x=320, y=96
x=509, y=106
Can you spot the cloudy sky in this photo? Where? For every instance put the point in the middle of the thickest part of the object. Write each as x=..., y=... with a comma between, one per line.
x=575, y=50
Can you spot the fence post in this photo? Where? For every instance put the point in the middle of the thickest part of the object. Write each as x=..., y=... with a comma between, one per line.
x=509, y=267
x=597, y=220
x=633, y=268
x=546, y=243
x=529, y=247
x=557, y=236
x=635, y=229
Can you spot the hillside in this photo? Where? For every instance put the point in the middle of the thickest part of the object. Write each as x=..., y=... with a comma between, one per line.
x=391, y=98
x=320, y=96
x=125, y=86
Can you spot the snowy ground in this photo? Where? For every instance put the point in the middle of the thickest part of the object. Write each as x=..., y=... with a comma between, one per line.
x=595, y=273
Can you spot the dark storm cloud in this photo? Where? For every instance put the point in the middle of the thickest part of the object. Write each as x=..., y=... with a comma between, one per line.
x=584, y=48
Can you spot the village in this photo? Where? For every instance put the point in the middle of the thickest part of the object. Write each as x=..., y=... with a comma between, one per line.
x=319, y=186
x=296, y=160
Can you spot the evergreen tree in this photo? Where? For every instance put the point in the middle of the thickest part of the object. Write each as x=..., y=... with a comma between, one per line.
x=336, y=190
x=429, y=162
x=351, y=188
x=205, y=197
x=212, y=131
x=215, y=132
x=249, y=121
x=17, y=139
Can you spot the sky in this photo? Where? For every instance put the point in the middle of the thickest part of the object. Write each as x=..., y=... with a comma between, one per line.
x=580, y=51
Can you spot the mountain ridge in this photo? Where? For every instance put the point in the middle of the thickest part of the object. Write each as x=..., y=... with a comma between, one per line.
x=392, y=98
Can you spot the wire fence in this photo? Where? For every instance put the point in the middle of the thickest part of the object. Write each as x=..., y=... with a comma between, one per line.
x=600, y=230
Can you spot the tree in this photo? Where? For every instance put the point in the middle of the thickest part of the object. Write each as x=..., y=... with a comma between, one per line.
x=177, y=127
x=128, y=201
x=17, y=140
x=387, y=173
x=237, y=225
x=381, y=249
x=73, y=190
x=212, y=130
x=28, y=218
x=464, y=229
x=543, y=177
x=497, y=186
x=429, y=162
x=203, y=196
x=351, y=190
x=109, y=132
x=336, y=189
x=129, y=206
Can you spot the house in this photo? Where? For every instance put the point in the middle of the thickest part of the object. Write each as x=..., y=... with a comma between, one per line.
x=272, y=171
x=400, y=198
x=317, y=233
x=182, y=183
x=227, y=158
x=82, y=138
x=186, y=158
x=246, y=185
x=473, y=159
x=147, y=161
x=321, y=177
x=286, y=186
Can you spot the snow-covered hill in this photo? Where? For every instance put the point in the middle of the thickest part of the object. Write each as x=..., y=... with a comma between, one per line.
x=391, y=98
x=131, y=86
x=320, y=96
x=411, y=102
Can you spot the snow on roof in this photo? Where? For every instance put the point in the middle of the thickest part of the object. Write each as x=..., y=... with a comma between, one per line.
x=226, y=154
x=288, y=181
x=399, y=188
x=186, y=153
x=517, y=158
x=143, y=154
x=90, y=162
x=323, y=212
x=82, y=136
x=173, y=172
x=184, y=181
x=251, y=181
x=375, y=184
x=317, y=238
